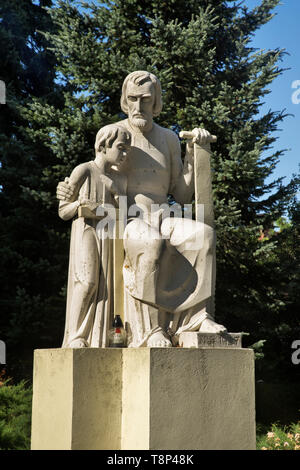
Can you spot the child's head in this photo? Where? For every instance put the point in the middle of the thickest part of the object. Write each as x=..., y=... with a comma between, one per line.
x=113, y=143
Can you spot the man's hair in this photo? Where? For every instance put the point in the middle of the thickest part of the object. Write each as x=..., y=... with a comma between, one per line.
x=139, y=78
x=107, y=135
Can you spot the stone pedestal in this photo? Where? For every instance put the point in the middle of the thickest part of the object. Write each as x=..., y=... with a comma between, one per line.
x=210, y=340
x=146, y=398
x=77, y=399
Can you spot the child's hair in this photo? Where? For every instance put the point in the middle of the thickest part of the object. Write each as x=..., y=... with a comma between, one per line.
x=107, y=135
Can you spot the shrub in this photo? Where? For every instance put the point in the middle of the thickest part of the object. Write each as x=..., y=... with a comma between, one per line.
x=15, y=415
x=280, y=438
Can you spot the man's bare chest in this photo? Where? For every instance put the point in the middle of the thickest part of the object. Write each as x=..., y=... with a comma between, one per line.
x=148, y=170
x=146, y=157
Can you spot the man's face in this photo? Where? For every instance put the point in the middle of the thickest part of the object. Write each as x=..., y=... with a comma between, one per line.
x=117, y=153
x=140, y=101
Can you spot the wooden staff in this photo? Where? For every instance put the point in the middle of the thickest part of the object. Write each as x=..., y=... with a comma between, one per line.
x=203, y=196
x=202, y=176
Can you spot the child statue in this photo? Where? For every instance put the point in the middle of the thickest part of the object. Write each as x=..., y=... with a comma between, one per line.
x=89, y=309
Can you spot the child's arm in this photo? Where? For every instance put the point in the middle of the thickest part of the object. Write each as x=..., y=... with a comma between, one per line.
x=68, y=208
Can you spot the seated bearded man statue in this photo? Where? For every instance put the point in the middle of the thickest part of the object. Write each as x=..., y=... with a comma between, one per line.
x=169, y=261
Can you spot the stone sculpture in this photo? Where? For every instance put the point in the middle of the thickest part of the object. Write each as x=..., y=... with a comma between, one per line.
x=89, y=298
x=168, y=270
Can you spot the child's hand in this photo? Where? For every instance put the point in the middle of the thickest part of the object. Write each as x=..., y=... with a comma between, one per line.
x=87, y=203
x=83, y=201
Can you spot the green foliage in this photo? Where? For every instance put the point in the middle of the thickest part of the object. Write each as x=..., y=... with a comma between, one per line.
x=15, y=416
x=280, y=438
x=258, y=347
x=31, y=304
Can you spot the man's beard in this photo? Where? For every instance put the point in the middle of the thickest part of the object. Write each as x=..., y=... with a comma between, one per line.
x=139, y=122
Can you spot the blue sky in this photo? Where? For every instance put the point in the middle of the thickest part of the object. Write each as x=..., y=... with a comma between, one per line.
x=283, y=32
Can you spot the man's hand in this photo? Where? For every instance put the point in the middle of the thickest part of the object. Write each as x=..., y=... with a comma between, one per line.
x=65, y=190
x=198, y=136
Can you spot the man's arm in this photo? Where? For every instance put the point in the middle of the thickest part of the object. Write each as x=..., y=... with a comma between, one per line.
x=182, y=175
x=185, y=186
x=67, y=192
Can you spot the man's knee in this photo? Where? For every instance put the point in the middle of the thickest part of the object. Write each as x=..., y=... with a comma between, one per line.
x=149, y=252
x=143, y=253
x=137, y=230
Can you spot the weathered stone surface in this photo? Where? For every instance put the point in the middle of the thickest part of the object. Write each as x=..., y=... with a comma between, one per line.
x=210, y=340
x=144, y=398
x=76, y=399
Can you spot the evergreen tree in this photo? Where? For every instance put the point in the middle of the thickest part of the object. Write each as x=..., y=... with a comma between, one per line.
x=211, y=77
x=15, y=415
x=281, y=324
x=30, y=301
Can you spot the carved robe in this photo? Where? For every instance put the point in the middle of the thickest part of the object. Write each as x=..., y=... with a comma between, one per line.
x=88, y=246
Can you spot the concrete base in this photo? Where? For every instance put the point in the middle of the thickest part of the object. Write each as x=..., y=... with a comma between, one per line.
x=77, y=399
x=146, y=398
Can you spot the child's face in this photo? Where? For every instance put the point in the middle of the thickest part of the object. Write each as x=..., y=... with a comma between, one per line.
x=117, y=153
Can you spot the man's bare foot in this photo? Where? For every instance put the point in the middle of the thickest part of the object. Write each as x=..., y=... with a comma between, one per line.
x=209, y=326
x=78, y=343
x=159, y=340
